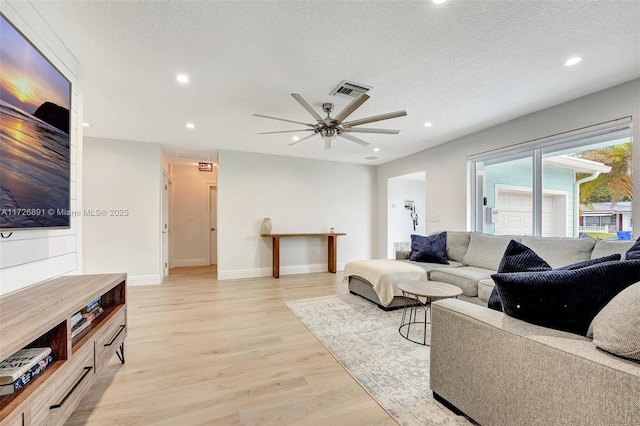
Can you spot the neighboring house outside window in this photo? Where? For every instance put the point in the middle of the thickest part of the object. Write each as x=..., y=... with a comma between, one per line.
x=606, y=217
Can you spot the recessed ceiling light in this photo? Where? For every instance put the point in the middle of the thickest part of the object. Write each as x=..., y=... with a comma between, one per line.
x=86, y=125
x=295, y=138
x=428, y=124
x=182, y=78
x=371, y=157
x=572, y=61
x=439, y=1
x=376, y=149
x=190, y=126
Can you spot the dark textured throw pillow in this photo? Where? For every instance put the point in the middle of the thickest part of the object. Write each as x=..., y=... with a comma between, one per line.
x=429, y=249
x=634, y=252
x=517, y=258
x=590, y=262
x=520, y=258
x=566, y=300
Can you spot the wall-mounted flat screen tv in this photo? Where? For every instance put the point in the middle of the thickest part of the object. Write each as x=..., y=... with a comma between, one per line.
x=35, y=104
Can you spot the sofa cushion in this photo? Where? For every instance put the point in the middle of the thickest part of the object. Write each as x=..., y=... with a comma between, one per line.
x=616, y=328
x=485, y=251
x=564, y=299
x=560, y=251
x=634, y=251
x=590, y=262
x=607, y=247
x=465, y=277
x=457, y=244
x=429, y=249
x=485, y=288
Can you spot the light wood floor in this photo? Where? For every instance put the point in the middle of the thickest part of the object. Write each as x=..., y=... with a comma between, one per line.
x=206, y=352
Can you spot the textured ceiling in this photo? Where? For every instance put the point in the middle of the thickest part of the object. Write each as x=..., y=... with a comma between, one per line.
x=462, y=65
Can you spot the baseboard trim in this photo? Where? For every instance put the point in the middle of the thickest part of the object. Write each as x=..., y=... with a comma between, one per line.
x=189, y=262
x=144, y=280
x=239, y=274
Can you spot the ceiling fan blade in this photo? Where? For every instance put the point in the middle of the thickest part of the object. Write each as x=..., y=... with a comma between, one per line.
x=306, y=106
x=375, y=118
x=300, y=140
x=355, y=104
x=354, y=139
x=286, y=131
x=367, y=130
x=283, y=119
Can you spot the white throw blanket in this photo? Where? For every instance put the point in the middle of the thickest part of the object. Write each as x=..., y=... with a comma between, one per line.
x=384, y=275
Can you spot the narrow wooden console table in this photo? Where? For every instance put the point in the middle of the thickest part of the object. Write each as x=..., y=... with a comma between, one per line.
x=332, y=252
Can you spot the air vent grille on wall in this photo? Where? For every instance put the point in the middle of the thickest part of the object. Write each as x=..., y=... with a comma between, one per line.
x=349, y=89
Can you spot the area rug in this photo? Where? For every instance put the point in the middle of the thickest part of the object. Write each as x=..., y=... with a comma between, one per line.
x=365, y=341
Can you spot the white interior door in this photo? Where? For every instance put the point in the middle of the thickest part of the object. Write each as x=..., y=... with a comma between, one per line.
x=213, y=222
x=165, y=225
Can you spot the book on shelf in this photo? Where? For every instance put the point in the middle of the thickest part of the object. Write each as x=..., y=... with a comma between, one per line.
x=93, y=314
x=83, y=318
x=94, y=303
x=20, y=382
x=20, y=362
x=76, y=318
x=79, y=327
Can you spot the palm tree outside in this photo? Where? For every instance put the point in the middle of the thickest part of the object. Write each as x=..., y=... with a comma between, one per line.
x=613, y=187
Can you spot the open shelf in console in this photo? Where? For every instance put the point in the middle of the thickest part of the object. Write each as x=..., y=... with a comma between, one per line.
x=56, y=339
x=86, y=335
x=112, y=301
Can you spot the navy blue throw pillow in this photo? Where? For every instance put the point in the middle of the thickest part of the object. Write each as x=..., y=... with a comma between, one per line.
x=634, y=252
x=566, y=300
x=520, y=258
x=429, y=249
x=517, y=258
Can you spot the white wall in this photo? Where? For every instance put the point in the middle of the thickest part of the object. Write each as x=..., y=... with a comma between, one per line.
x=299, y=196
x=190, y=215
x=27, y=257
x=446, y=164
x=400, y=222
x=123, y=175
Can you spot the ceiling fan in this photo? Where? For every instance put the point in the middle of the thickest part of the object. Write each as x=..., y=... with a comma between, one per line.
x=328, y=128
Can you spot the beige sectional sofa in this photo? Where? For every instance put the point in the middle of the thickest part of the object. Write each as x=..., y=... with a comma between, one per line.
x=474, y=257
x=499, y=370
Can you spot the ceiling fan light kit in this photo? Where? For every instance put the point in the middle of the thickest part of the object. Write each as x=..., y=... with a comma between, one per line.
x=329, y=128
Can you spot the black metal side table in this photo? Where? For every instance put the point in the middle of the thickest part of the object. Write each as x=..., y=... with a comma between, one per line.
x=414, y=292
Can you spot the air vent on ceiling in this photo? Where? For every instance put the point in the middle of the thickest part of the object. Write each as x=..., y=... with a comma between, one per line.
x=349, y=89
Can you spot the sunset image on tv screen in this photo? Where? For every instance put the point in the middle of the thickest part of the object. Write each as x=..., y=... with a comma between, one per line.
x=34, y=136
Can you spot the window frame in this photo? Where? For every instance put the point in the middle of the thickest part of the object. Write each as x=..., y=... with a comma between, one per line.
x=536, y=149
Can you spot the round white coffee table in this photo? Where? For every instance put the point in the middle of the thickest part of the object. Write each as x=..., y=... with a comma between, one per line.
x=412, y=291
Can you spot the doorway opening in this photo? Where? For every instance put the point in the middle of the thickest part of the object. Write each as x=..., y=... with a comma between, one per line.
x=406, y=200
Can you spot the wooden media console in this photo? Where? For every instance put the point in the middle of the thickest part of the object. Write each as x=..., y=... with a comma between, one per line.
x=40, y=316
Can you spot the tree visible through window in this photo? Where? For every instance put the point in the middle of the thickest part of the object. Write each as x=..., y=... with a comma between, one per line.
x=614, y=186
